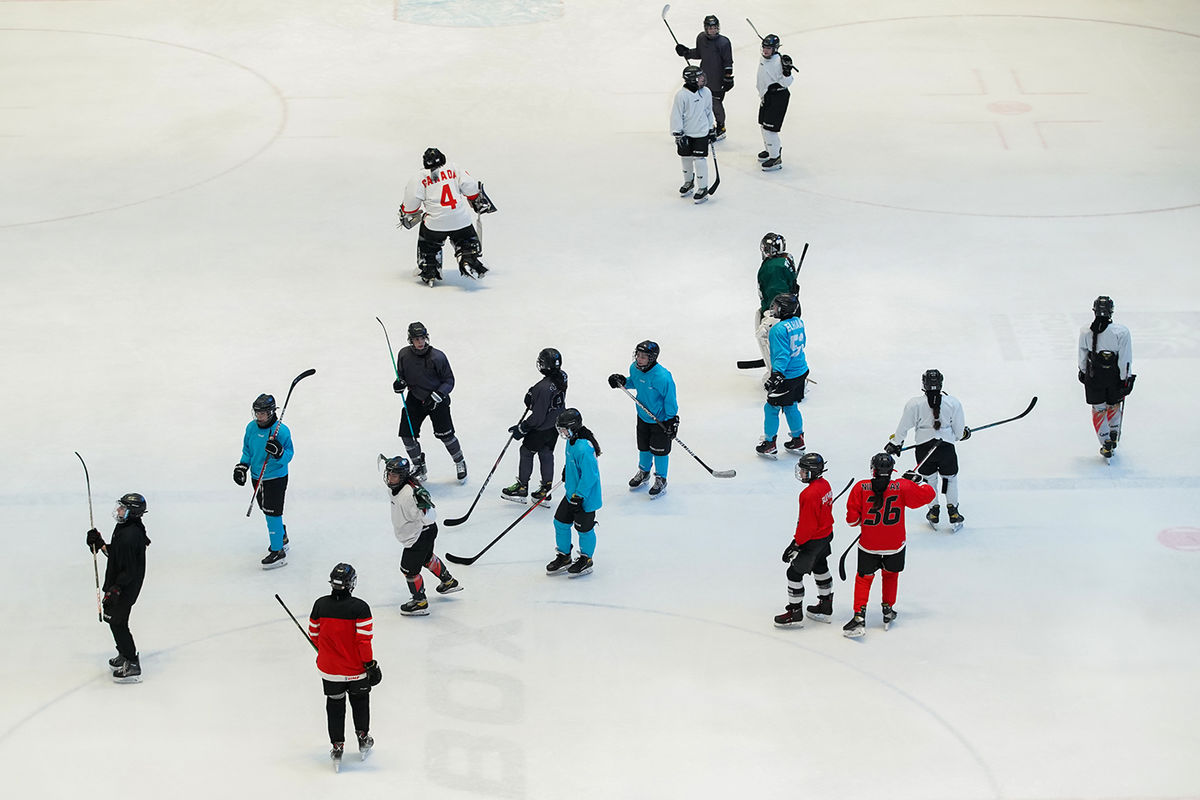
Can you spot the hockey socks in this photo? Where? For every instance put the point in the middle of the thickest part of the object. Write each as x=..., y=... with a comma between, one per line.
x=862, y=590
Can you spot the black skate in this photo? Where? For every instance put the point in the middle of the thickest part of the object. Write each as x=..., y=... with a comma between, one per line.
x=115, y=662
x=419, y=470
x=795, y=445
x=335, y=753
x=517, y=492
x=659, y=488
x=286, y=545
x=956, y=519
x=274, y=559
x=933, y=515
x=766, y=449
x=559, y=564
x=449, y=585
x=822, y=611
x=365, y=742
x=792, y=617
x=417, y=607
x=542, y=494
x=460, y=470
x=129, y=672
x=639, y=479
x=1107, y=449
x=856, y=627
x=701, y=195
x=772, y=164
x=763, y=156
x=581, y=566
x=686, y=189
x=889, y=616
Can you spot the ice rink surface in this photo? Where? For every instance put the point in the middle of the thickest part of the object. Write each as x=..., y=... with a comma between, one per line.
x=199, y=203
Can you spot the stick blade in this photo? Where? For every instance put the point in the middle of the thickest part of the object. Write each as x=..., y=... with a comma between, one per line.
x=458, y=559
x=666, y=8
x=751, y=364
x=450, y=523
x=724, y=473
x=304, y=375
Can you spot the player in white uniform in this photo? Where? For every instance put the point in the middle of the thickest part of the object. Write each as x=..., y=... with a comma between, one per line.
x=774, y=76
x=938, y=422
x=444, y=199
x=1105, y=358
x=693, y=126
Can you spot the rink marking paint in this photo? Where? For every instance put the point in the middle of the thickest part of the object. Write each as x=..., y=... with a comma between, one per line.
x=1183, y=538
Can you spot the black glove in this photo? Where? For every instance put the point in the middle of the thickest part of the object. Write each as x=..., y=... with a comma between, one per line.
x=576, y=501
x=892, y=449
x=790, y=552
x=966, y=434
x=94, y=540
x=1127, y=386
x=774, y=381
x=671, y=426
x=712, y=135
x=616, y=380
x=681, y=50
x=374, y=674
x=433, y=401
x=273, y=447
x=914, y=476
x=1082, y=377
x=786, y=63
x=517, y=432
x=399, y=385
x=727, y=82
x=239, y=474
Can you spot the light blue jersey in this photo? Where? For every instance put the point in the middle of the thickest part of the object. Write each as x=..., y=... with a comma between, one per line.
x=254, y=450
x=655, y=389
x=583, y=473
x=787, y=340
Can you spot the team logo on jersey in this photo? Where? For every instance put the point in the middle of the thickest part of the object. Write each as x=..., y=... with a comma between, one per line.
x=443, y=175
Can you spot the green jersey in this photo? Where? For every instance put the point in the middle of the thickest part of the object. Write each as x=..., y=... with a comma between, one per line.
x=777, y=275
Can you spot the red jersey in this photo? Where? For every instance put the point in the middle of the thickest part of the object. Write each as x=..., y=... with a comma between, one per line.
x=341, y=627
x=883, y=526
x=815, y=520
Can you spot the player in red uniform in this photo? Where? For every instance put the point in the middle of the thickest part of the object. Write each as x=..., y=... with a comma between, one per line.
x=878, y=506
x=810, y=546
x=340, y=626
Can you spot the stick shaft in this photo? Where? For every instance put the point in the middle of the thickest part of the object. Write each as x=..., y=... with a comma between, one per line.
x=303, y=632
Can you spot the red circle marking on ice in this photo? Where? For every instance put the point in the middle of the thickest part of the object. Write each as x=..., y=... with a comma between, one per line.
x=1009, y=107
x=1182, y=538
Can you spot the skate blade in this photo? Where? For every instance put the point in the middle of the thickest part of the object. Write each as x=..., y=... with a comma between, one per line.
x=557, y=571
x=700, y=200
x=660, y=494
x=854, y=634
x=772, y=456
x=772, y=169
x=421, y=612
x=932, y=524
x=513, y=499
x=956, y=527
x=886, y=625
x=458, y=588
x=127, y=679
x=793, y=624
x=337, y=765
x=276, y=564
x=580, y=574
x=820, y=617
x=641, y=485
x=362, y=754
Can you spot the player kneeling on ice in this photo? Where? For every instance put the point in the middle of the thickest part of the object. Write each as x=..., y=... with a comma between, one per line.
x=544, y=402
x=693, y=127
x=341, y=627
x=441, y=198
x=581, y=476
x=1105, y=358
x=938, y=422
x=266, y=451
x=878, y=506
x=810, y=546
x=415, y=522
x=789, y=371
x=123, y=578
x=657, y=421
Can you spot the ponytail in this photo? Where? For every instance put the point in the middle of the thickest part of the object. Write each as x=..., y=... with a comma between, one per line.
x=585, y=433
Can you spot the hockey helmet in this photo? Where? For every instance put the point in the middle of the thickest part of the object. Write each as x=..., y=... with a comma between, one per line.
x=1103, y=307
x=549, y=360
x=786, y=306
x=433, y=158
x=693, y=77
x=651, y=350
x=773, y=244
x=343, y=578
x=569, y=423
x=882, y=465
x=810, y=467
x=931, y=381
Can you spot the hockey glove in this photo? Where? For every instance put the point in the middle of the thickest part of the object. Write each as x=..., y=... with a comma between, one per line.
x=399, y=385
x=409, y=221
x=1127, y=387
x=727, y=82
x=1082, y=377
x=966, y=434
x=616, y=380
x=892, y=449
x=433, y=401
x=94, y=540
x=786, y=63
x=712, y=135
x=773, y=381
x=374, y=674
x=239, y=474
x=517, y=432
x=481, y=202
x=671, y=426
x=575, y=501
x=681, y=50
x=273, y=447
x=914, y=476
x=790, y=552
x=421, y=495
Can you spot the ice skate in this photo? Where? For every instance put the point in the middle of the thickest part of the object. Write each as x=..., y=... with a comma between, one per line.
x=686, y=189
x=449, y=585
x=580, y=566
x=822, y=611
x=417, y=607
x=1107, y=449
x=460, y=470
x=763, y=156
x=889, y=616
x=517, y=492
x=792, y=617
x=701, y=195
x=956, y=519
x=639, y=479
x=795, y=445
x=115, y=662
x=856, y=627
x=772, y=164
x=766, y=449
x=286, y=545
x=419, y=471
x=933, y=515
x=365, y=742
x=129, y=672
x=274, y=559
x=559, y=564
x=659, y=488
x=335, y=753
x=542, y=494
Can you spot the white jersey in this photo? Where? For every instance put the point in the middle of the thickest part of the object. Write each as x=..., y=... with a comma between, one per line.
x=770, y=70
x=917, y=414
x=692, y=112
x=444, y=194
x=407, y=517
x=1115, y=339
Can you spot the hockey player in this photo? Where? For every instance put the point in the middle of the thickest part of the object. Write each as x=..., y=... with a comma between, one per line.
x=123, y=578
x=655, y=389
x=692, y=126
x=716, y=59
x=878, y=506
x=937, y=421
x=425, y=372
x=776, y=276
x=789, y=370
x=267, y=440
x=582, y=500
x=415, y=523
x=1105, y=360
x=774, y=76
x=545, y=400
x=810, y=546
x=341, y=627
x=441, y=197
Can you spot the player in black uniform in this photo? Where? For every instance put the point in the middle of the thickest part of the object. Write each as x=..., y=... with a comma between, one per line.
x=545, y=401
x=123, y=578
x=425, y=372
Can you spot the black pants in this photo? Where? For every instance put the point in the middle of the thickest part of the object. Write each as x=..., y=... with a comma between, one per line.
x=335, y=707
x=270, y=497
x=813, y=556
x=118, y=611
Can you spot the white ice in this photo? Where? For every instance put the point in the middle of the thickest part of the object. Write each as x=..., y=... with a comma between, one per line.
x=199, y=203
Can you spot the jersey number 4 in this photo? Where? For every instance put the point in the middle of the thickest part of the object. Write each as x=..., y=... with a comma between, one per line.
x=448, y=197
x=890, y=513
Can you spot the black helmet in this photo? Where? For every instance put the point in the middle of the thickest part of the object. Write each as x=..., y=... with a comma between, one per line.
x=569, y=423
x=433, y=158
x=773, y=244
x=809, y=467
x=882, y=465
x=711, y=21
x=771, y=41
x=397, y=465
x=693, y=77
x=134, y=502
x=931, y=381
x=651, y=349
x=264, y=402
x=786, y=306
x=343, y=578
x=1103, y=307
x=549, y=360
x=417, y=330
